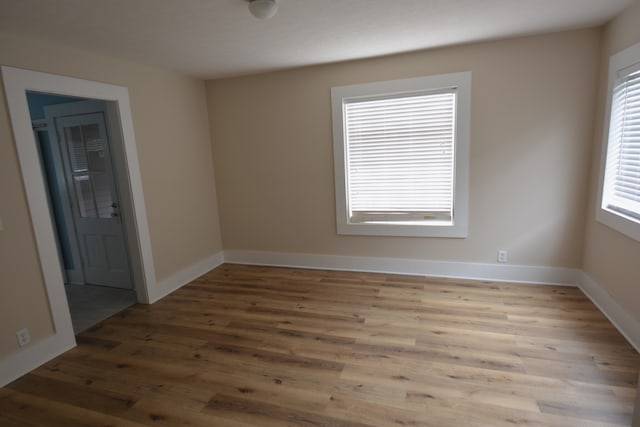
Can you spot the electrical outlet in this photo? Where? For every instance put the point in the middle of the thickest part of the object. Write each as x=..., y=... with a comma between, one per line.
x=502, y=255
x=23, y=337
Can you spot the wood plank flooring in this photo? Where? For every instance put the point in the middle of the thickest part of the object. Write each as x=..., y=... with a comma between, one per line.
x=262, y=346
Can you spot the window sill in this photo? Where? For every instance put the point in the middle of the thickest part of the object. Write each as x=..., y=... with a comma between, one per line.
x=623, y=224
x=442, y=229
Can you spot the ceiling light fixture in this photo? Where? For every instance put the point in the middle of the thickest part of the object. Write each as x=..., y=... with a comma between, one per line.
x=263, y=9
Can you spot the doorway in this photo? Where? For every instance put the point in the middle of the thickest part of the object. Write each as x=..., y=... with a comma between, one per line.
x=80, y=178
x=17, y=83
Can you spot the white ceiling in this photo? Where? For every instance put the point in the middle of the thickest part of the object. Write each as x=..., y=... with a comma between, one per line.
x=214, y=38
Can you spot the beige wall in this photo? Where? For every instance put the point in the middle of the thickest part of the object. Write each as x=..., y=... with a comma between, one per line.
x=611, y=258
x=171, y=129
x=533, y=102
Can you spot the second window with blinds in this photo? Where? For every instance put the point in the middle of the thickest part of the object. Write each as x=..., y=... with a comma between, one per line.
x=401, y=154
x=619, y=194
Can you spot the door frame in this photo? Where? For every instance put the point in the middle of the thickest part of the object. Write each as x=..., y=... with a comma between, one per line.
x=17, y=82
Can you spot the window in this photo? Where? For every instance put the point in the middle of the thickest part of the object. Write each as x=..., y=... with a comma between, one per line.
x=401, y=153
x=619, y=205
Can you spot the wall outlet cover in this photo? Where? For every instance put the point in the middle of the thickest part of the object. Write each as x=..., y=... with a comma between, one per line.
x=23, y=337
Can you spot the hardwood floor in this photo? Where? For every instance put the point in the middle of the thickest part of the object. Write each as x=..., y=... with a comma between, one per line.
x=264, y=346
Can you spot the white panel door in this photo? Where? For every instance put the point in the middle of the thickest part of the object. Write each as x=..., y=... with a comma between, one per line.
x=89, y=174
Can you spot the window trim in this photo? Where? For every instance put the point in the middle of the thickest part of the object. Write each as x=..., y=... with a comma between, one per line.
x=459, y=227
x=624, y=224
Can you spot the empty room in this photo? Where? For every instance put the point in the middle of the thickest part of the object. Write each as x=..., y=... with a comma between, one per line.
x=319, y=213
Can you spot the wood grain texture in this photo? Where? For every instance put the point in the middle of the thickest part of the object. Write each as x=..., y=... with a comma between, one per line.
x=262, y=346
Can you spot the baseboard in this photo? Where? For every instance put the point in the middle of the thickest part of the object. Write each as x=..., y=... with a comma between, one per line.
x=33, y=355
x=177, y=280
x=478, y=271
x=627, y=325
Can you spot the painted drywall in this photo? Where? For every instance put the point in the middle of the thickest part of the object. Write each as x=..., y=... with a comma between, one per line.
x=171, y=129
x=533, y=101
x=611, y=258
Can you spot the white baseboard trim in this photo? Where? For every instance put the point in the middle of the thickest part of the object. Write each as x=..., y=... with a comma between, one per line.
x=177, y=280
x=460, y=270
x=33, y=355
x=625, y=323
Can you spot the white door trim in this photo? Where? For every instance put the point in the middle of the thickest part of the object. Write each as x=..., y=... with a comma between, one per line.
x=16, y=83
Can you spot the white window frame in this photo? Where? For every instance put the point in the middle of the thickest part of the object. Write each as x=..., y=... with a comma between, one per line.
x=629, y=226
x=458, y=228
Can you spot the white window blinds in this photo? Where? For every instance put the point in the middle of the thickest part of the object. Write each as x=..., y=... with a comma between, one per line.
x=622, y=177
x=400, y=157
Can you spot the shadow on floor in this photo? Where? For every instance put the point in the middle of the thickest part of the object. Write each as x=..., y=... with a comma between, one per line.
x=90, y=305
